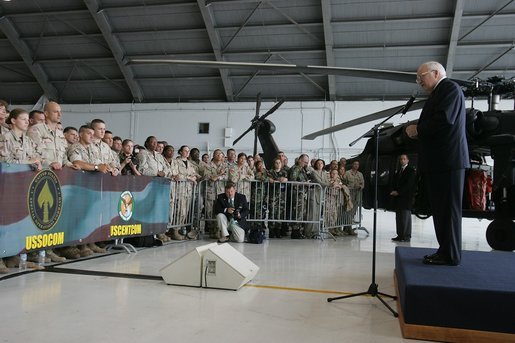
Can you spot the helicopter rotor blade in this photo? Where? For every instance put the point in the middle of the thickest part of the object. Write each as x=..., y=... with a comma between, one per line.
x=365, y=119
x=380, y=74
x=251, y=127
x=255, y=139
x=273, y=109
x=356, y=72
x=258, y=105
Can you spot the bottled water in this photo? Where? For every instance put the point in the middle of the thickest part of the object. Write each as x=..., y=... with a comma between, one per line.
x=41, y=257
x=23, y=261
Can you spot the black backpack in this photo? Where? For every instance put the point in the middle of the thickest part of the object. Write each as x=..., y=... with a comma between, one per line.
x=256, y=236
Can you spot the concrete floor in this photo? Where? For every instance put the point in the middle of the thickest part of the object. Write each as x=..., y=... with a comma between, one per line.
x=286, y=301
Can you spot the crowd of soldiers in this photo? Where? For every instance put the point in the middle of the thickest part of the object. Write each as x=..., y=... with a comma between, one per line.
x=38, y=138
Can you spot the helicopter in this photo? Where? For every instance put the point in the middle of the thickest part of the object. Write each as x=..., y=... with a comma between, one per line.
x=490, y=133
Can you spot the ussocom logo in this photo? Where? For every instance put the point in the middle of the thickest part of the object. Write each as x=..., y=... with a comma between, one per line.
x=45, y=200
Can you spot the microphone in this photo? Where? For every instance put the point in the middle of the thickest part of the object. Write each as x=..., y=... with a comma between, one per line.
x=409, y=103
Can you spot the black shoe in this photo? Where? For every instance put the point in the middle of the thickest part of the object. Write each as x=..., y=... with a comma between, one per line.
x=439, y=261
x=426, y=257
x=399, y=239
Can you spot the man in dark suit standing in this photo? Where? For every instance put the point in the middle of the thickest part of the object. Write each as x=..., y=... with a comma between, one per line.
x=442, y=158
x=403, y=190
x=231, y=209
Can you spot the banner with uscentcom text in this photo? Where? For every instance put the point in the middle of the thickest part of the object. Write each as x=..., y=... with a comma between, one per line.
x=55, y=208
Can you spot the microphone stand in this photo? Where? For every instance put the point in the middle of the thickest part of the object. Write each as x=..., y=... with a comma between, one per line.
x=373, y=289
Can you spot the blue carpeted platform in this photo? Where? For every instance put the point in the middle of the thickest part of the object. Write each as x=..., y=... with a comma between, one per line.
x=477, y=295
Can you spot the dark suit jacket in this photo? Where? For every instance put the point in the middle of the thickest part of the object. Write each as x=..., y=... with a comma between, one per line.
x=404, y=183
x=240, y=203
x=441, y=130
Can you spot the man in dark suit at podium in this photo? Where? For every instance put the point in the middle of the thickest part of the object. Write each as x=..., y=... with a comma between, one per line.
x=231, y=209
x=403, y=191
x=442, y=158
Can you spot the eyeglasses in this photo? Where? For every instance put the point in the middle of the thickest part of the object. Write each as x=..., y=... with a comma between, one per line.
x=419, y=76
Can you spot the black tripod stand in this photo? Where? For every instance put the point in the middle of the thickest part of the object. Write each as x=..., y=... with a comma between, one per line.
x=373, y=288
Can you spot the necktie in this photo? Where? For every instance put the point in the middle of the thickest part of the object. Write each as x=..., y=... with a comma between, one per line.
x=231, y=202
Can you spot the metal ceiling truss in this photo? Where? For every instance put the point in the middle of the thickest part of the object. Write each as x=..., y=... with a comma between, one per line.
x=329, y=45
x=26, y=54
x=215, y=40
x=114, y=44
x=453, y=40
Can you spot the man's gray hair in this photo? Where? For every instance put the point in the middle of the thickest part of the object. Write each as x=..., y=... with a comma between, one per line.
x=433, y=65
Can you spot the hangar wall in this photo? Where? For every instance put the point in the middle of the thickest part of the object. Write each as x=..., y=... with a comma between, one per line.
x=178, y=123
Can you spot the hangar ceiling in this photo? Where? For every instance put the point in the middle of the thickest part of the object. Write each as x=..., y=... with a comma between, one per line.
x=76, y=51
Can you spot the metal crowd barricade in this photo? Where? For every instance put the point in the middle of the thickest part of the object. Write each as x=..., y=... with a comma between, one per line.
x=270, y=203
x=182, y=204
x=342, y=208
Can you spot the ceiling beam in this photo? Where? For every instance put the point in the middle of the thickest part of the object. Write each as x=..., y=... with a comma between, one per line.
x=23, y=50
x=453, y=39
x=216, y=44
x=329, y=43
x=116, y=48
x=495, y=13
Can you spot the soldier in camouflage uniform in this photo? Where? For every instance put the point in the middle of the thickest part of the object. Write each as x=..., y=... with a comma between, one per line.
x=15, y=145
x=355, y=181
x=241, y=175
x=337, y=201
x=102, y=152
x=299, y=194
x=52, y=144
x=49, y=139
x=259, y=192
x=151, y=163
x=186, y=178
x=277, y=197
x=215, y=173
x=3, y=115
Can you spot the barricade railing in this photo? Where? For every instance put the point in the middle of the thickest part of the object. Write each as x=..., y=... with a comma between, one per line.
x=182, y=207
x=342, y=210
x=270, y=203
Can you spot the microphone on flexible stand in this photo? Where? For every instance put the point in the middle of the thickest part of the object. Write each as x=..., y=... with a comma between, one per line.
x=409, y=103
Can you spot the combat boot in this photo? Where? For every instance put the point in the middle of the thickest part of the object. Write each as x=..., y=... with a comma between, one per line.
x=95, y=248
x=85, y=251
x=33, y=256
x=177, y=236
x=192, y=235
x=70, y=253
x=32, y=265
x=12, y=261
x=3, y=267
x=162, y=237
x=54, y=257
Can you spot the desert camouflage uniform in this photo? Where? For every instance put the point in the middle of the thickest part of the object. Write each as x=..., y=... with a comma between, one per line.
x=79, y=152
x=150, y=163
x=4, y=129
x=185, y=189
x=171, y=172
x=337, y=200
x=213, y=188
x=103, y=154
x=314, y=197
x=52, y=144
x=241, y=177
x=19, y=150
x=356, y=183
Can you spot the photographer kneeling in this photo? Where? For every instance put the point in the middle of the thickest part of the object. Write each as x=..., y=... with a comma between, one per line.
x=231, y=209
